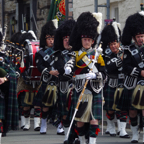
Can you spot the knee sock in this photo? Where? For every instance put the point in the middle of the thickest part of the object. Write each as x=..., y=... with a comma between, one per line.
x=110, y=116
x=118, y=114
x=94, y=130
x=66, y=123
x=80, y=130
x=1, y=127
x=37, y=112
x=72, y=134
x=123, y=116
x=134, y=121
x=26, y=113
x=21, y=111
x=44, y=114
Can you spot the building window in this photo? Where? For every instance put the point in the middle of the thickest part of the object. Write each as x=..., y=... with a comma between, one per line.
x=116, y=14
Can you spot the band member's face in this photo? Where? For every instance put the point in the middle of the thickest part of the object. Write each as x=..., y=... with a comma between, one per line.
x=66, y=43
x=139, y=39
x=50, y=42
x=87, y=42
x=114, y=46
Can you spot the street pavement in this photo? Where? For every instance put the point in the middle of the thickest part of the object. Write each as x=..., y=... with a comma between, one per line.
x=33, y=137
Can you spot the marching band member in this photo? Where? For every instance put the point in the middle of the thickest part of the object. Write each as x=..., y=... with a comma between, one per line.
x=82, y=41
x=8, y=97
x=111, y=37
x=47, y=94
x=133, y=68
x=15, y=41
x=25, y=89
x=61, y=45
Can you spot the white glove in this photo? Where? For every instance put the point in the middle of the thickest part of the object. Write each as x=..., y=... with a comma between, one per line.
x=17, y=74
x=68, y=70
x=91, y=76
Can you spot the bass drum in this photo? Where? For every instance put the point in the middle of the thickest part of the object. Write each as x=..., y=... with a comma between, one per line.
x=31, y=74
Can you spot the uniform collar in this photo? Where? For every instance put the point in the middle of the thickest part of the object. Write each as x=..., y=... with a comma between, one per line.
x=138, y=46
x=86, y=50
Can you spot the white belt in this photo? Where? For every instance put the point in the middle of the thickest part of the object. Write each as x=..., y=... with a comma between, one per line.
x=80, y=76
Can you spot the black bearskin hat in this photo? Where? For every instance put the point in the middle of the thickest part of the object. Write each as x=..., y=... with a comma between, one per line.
x=110, y=33
x=134, y=26
x=86, y=26
x=64, y=30
x=25, y=36
x=15, y=37
x=47, y=29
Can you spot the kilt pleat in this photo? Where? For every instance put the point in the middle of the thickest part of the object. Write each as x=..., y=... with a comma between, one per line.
x=96, y=104
x=109, y=97
x=37, y=101
x=126, y=100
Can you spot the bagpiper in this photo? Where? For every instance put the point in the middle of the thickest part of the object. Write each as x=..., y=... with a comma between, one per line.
x=83, y=40
x=47, y=94
x=113, y=56
x=133, y=68
x=8, y=97
x=61, y=45
x=14, y=43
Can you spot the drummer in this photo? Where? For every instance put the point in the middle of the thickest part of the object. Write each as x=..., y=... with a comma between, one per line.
x=26, y=91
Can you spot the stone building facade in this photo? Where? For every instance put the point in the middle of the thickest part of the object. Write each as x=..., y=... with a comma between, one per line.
x=120, y=9
x=25, y=15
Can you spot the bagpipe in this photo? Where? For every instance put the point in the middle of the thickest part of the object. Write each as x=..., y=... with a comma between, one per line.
x=22, y=57
x=15, y=52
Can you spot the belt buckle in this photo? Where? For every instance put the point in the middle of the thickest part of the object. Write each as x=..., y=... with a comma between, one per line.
x=121, y=76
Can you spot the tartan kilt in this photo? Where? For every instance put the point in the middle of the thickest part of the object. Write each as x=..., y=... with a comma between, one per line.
x=21, y=97
x=62, y=102
x=2, y=108
x=37, y=101
x=96, y=104
x=3, y=99
x=125, y=102
x=109, y=97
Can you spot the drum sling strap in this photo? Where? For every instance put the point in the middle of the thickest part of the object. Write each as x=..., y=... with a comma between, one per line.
x=138, y=94
x=46, y=55
x=136, y=56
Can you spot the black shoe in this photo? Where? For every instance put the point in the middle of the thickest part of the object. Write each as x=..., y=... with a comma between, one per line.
x=25, y=129
x=22, y=127
x=68, y=142
x=42, y=132
x=134, y=141
x=118, y=133
x=3, y=134
x=125, y=136
x=37, y=129
x=65, y=142
x=77, y=141
x=62, y=133
x=107, y=132
x=112, y=135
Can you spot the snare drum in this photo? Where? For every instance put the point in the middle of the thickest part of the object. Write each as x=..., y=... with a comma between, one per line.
x=31, y=73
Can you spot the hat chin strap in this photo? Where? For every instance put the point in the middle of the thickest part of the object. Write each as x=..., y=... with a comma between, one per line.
x=136, y=42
